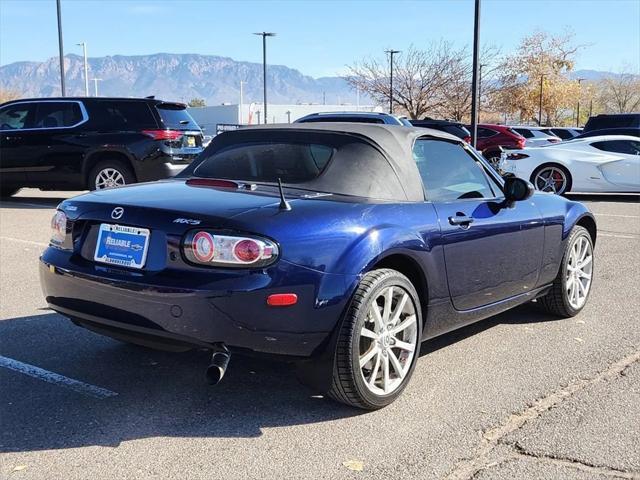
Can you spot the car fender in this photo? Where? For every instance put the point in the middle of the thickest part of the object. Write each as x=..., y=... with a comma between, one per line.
x=95, y=154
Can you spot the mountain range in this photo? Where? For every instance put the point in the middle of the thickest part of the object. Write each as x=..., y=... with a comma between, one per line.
x=177, y=77
x=182, y=77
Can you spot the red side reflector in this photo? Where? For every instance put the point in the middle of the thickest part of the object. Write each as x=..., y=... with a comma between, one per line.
x=282, y=299
x=212, y=182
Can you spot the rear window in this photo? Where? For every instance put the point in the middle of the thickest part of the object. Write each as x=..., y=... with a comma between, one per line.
x=458, y=131
x=266, y=162
x=122, y=115
x=526, y=133
x=176, y=116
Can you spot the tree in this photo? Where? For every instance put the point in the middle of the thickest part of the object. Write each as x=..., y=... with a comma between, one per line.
x=419, y=78
x=540, y=59
x=197, y=102
x=620, y=94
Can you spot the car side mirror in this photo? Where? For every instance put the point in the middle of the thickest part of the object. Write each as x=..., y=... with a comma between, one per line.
x=517, y=189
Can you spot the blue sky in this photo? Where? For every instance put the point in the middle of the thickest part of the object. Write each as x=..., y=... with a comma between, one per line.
x=317, y=37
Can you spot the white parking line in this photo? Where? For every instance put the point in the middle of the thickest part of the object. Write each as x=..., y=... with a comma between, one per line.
x=615, y=235
x=28, y=242
x=56, y=378
x=615, y=215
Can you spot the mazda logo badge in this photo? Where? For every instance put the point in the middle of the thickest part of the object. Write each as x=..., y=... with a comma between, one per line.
x=117, y=213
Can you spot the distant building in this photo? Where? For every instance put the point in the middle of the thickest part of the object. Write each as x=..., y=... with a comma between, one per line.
x=217, y=118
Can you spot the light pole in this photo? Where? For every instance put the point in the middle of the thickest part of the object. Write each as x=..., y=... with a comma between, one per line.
x=476, y=71
x=540, y=107
x=95, y=85
x=86, y=67
x=578, y=108
x=60, y=48
x=391, y=54
x=241, y=101
x=264, y=36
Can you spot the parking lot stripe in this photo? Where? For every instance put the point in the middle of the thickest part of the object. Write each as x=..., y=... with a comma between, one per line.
x=56, y=378
x=29, y=242
x=615, y=235
x=615, y=215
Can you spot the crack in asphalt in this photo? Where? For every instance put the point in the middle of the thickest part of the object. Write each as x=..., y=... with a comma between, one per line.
x=520, y=452
x=466, y=469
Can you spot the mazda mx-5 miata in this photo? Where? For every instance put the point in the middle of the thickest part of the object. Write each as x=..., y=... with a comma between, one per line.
x=340, y=247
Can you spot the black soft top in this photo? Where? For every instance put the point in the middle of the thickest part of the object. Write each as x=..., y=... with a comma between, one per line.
x=391, y=175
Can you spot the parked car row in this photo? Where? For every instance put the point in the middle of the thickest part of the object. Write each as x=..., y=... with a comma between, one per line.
x=94, y=143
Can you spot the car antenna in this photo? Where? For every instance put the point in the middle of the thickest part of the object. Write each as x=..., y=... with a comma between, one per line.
x=284, y=205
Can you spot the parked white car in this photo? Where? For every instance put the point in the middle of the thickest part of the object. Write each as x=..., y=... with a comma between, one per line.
x=536, y=136
x=606, y=163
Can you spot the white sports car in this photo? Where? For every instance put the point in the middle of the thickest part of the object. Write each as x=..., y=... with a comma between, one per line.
x=607, y=163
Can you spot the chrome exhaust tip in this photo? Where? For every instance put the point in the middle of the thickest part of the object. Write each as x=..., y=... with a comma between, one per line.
x=217, y=366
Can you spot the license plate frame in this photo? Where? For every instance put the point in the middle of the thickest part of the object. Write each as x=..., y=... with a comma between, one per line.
x=120, y=250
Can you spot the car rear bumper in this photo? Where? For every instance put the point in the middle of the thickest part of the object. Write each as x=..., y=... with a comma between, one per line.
x=164, y=165
x=187, y=317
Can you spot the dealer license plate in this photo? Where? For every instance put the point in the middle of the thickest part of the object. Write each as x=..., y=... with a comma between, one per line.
x=121, y=245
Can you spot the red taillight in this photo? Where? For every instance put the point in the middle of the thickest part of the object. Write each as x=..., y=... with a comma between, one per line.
x=203, y=246
x=212, y=249
x=163, y=134
x=247, y=250
x=282, y=299
x=467, y=139
x=521, y=142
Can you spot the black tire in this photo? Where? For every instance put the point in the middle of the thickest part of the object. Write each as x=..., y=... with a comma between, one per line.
x=556, y=301
x=559, y=167
x=123, y=169
x=7, y=192
x=348, y=385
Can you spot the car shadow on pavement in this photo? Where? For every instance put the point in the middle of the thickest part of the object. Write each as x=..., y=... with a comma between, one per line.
x=159, y=394
x=31, y=203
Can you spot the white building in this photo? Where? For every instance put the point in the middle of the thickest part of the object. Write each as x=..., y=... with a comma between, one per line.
x=214, y=119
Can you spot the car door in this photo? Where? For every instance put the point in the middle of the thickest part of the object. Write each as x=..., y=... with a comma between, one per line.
x=492, y=251
x=625, y=171
x=15, y=118
x=57, y=143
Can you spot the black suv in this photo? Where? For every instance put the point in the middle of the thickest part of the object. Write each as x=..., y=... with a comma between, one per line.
x=454, y=128
x=78, y=143
x=612, y=124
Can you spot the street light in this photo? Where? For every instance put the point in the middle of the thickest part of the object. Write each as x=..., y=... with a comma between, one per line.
x=264, y=36
x=578, y=109
x=60, y=48
x=95, y=85
x=540, y=107
x=86, y=68
x=476, y=69
x=391, y=54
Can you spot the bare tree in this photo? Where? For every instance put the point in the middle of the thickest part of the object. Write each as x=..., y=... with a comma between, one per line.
x=620, y=94
x=420, y=77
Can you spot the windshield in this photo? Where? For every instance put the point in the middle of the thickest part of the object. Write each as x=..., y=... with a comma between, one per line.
x=176, y=116
x=267, y=162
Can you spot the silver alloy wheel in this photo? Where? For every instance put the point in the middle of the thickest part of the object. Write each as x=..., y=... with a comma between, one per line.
x=109, y=178
x=579, y=271
x=551, y=179
x=388, y=340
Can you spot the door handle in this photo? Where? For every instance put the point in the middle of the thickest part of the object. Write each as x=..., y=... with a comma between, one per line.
x=462, y=220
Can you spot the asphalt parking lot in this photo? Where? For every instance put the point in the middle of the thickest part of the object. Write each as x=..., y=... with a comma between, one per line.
x=521, y=395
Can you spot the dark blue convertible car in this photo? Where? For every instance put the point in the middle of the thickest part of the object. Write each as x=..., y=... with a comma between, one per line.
x=339, y=247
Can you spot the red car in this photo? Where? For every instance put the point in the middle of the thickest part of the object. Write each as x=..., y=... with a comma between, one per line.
x=490, y=137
